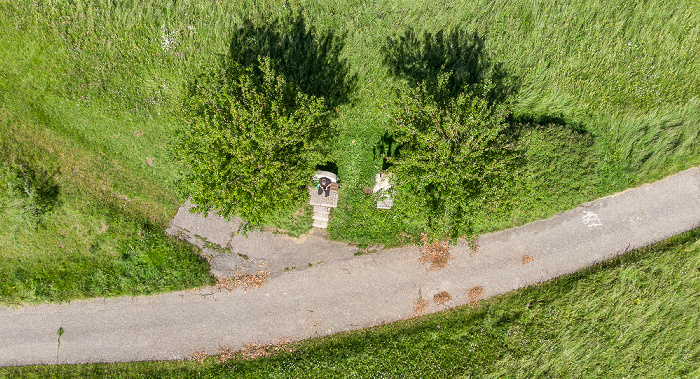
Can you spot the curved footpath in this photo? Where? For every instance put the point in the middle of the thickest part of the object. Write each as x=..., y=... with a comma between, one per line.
x=339, y=292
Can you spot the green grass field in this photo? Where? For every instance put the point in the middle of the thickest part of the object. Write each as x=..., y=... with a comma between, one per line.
x=634, y=316
x=88, y=92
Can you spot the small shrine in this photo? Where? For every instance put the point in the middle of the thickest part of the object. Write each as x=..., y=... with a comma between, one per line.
x=323, y=195
x=382, y=187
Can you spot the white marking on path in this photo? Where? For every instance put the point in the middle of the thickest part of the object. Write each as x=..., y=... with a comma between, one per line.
x=591, y=219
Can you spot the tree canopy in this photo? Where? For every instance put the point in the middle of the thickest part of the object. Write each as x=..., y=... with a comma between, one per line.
x=256, y=125
x=454, y=156
x=249, y=142
x=455, y=151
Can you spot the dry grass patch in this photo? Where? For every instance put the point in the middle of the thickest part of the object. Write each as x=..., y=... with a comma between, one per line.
x=442, y=297
x=437, y=254
x=224, y=353
x=475, y=293
x=103, y=227
x=244, y=280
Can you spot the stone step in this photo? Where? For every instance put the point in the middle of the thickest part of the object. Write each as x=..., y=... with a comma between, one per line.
x=321, y=210
x=320, y=217
x=320, y=224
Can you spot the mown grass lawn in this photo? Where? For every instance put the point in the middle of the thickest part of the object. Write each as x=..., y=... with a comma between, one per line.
x=634, y=316
x=88, y=94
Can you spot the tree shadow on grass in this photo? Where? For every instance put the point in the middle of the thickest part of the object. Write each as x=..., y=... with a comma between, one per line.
x=307, y=58
x=460, y=55
x=463, y=58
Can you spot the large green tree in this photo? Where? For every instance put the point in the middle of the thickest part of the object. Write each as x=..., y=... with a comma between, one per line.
x=250, y=141
x=455, y=153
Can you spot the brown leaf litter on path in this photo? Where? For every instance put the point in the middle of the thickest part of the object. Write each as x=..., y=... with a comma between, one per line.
x=526, y=259
x=442, y=297
x=252, y=350
x=244, y=280
x=437, y=254
x=199, y=355
x=475, y=293
x=420, y=306
x=256, y=350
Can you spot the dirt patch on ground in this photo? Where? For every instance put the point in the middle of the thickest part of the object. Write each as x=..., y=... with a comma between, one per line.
x=526, y=259
x=442, y=297
x=437, y=253
x=244, y=280
x=475, y=293
x=103, y=227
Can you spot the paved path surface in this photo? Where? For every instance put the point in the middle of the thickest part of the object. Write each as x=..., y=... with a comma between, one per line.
x=343, y=292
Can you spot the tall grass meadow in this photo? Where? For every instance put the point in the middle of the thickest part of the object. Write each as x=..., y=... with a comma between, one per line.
x=608, y=100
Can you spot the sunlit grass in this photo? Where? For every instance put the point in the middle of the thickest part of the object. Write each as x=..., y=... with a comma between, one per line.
x=93, y=86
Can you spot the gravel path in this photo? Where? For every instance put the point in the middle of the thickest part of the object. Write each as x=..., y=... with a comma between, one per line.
x=339, y=291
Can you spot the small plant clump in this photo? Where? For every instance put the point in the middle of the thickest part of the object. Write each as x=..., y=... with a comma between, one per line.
x=199, y=355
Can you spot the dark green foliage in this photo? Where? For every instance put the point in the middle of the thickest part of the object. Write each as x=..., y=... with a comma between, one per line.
x=249, y=144
x=305, y=57
x=454, y=157
x=257, y=124
x=455, y=150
